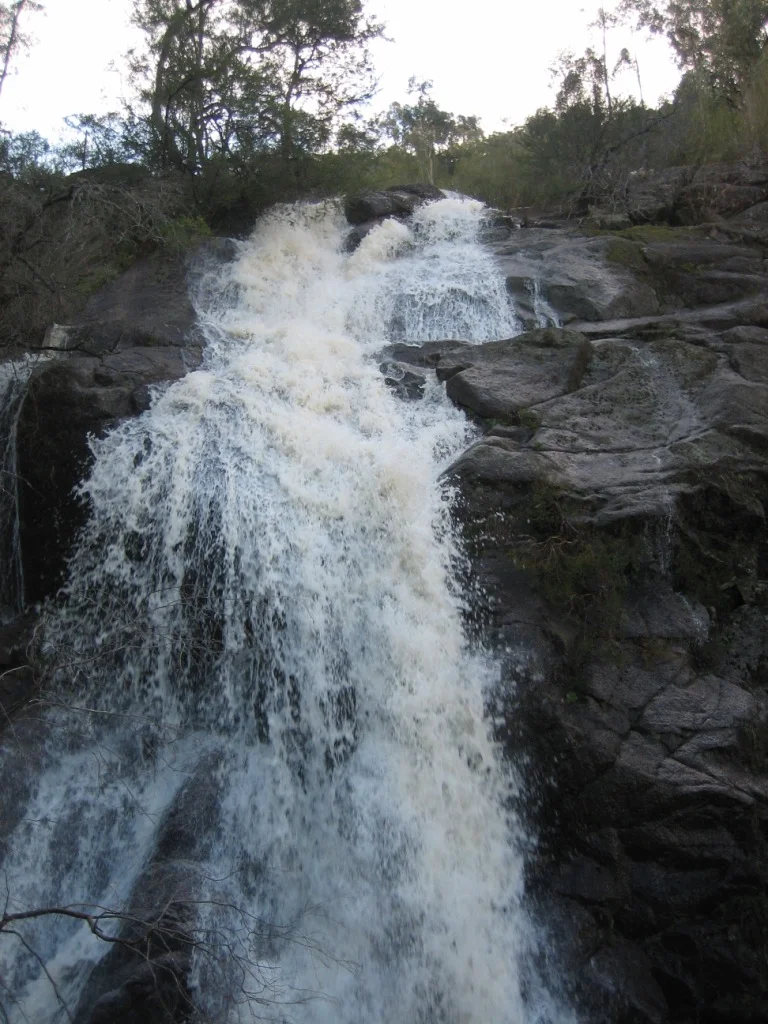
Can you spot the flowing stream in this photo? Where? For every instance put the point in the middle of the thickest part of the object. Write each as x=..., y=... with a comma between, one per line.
x=268, y=717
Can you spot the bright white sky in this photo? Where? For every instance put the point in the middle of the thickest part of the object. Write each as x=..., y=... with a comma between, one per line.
x=485, y=57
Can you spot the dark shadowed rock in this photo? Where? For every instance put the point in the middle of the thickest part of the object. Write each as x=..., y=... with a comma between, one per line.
x=154, y=993
x=67, y=401
x=398, y=201
x=17, y=683
x=145, y=977
x=427, y=354
x=692, y=195
x=617, y=527
x=148, y=305
x=758, y=213
x=139, y=332
x=655, y=197
x=406, y=382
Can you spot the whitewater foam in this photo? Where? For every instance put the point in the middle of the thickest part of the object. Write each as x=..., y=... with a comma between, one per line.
x=265, y=592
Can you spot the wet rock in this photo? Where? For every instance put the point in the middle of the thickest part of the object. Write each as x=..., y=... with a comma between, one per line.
x=136, y=334
x=606, y=979
x=403, y=380
x=189, y=826
x=17, y=683
x=427, y=354
x=586, y=278
x=624, y=441
x=619, y=533
x=68, y=401
x=148, y=305
x=399, y=201
x=497, y=380
x=655, y=611
x=145, y=976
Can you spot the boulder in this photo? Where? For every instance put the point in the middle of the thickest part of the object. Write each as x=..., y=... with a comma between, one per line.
x=145, y=977
x=653, y=197
x=497, y=380
x=586, y=278
x=694, y=195
x=156, y=992
x=757, y=213
x=406, y=382
x=398, y=201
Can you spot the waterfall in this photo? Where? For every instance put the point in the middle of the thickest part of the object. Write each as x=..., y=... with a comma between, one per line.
x=265, y=710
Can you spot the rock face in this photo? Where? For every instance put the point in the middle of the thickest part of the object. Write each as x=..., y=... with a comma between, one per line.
x=614, y=508
x=400, y=200
x=638, y=273
x=690, y=195
x=577, y=276
x=615, y=512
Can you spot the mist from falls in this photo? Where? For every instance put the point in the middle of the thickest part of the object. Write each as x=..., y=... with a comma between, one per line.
x=273, y=718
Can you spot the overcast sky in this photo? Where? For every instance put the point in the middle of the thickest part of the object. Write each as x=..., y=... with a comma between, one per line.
x=485, y=57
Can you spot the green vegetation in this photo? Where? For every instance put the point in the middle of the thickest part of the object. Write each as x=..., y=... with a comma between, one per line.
x=181, y=234
x=528, y=418
x=647, y=233
x=627, y=254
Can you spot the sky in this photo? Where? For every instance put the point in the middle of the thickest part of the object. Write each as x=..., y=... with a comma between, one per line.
x=485, y=57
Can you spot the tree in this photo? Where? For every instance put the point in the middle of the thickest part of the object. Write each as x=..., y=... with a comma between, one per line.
x=722, y=40
x=100, y=141
x=152, y=950
x=227, y=76
x=11, y=37
x=425, y=130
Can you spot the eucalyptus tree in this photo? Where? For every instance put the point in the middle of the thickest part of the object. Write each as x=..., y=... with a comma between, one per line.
x=12, y=38
x=223, y=77
x=425, y=130
x=722, y=40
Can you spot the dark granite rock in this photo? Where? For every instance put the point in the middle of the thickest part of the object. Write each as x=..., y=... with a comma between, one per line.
x=139, y=332
x=406, y=382
x=618, y=533
x=692, y=195
x=400, y=200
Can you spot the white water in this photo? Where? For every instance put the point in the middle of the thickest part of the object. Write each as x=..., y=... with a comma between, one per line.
x=261, y=617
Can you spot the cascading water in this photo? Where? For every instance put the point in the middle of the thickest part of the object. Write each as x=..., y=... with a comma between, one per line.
x=543, y=311
x=275, y=722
